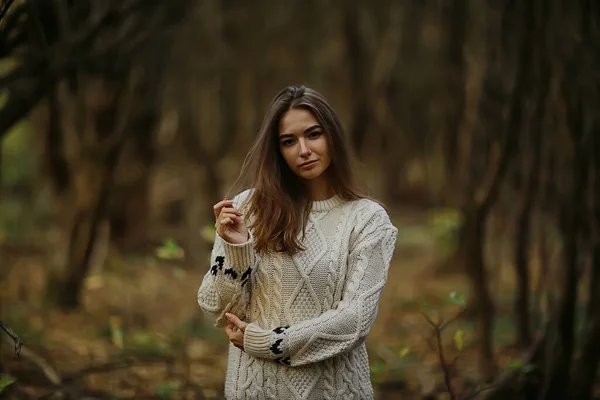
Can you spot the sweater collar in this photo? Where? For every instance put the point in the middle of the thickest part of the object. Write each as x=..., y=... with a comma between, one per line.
x=326, y=205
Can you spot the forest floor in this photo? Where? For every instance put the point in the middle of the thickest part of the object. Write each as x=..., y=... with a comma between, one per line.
x=140, y=333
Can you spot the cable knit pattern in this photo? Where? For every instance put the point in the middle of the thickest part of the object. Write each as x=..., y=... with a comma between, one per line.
x=309, y=313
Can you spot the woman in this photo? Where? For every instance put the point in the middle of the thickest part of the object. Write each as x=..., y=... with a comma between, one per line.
x=298, y=262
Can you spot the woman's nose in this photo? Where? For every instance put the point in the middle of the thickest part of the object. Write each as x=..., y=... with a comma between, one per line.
x=304, y=149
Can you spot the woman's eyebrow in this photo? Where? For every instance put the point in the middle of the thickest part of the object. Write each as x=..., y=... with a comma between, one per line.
x=307, y=130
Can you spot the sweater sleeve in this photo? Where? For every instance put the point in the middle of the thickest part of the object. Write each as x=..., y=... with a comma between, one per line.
x=226, y=285
x=340, y=329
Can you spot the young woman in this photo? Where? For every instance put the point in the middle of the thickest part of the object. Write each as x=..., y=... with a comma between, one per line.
x=299, y=262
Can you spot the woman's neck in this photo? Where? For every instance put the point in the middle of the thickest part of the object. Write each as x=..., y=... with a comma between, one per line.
x=320, y=189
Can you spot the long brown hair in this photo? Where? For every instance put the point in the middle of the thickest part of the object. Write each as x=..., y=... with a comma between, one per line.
x=279, y=206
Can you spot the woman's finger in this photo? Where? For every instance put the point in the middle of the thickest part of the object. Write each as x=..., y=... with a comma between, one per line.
x=225, y=221
x=235, y=320
x=220, y=205
x=231, y=210
x=233, y=216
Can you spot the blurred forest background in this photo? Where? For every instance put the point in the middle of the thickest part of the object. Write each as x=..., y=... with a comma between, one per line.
x=123, y=121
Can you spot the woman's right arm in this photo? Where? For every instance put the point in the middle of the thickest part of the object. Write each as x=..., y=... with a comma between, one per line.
x=226, y=285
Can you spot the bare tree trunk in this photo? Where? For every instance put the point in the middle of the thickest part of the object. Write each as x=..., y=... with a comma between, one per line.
x=473, y=238
x=522, y=245
x=540, y=77
x=586, y=369
x=92, y=190
x=456, y=81
x=1, y=165
x=559, y=366
x=129, y=212
x=358, y=78
x=57, y=166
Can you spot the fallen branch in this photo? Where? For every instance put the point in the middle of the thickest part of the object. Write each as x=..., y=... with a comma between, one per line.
x=49, y=372
x=112, y=366
x=14, y=336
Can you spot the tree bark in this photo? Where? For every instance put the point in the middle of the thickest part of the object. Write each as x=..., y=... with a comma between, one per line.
x=558, y=375
x=586, y=369
x=522, y=245
x=539, y=75
x=456, y=81
x=358, y=76
x=92, y=190
x=473, y=238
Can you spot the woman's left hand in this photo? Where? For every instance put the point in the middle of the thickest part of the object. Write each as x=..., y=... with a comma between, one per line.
x=235, y=330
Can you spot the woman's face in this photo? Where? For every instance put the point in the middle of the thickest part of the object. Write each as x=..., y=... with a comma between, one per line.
x=303, y=144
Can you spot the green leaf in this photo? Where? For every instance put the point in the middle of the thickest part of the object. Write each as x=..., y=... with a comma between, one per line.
x=457, y=298
x=165, y=390
x=426, y=306
x=459, y=339
x=6, y=381
x=169, y=250
x=404, y=351
x=522, y=367
x=377, y=368
x=527, y=368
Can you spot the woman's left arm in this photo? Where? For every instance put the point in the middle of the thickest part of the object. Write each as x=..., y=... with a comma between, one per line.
x=340, y=329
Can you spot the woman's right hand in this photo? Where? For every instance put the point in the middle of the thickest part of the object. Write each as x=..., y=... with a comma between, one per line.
x=230, y=225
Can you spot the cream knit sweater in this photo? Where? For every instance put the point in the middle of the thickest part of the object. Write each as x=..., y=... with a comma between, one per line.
x=309, y=313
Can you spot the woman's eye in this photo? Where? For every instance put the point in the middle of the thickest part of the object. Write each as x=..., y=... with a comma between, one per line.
x=314, y=134
x=287, y=142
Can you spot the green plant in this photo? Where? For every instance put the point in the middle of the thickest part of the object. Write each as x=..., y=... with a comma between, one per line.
x=438, y=327
x=6, y=381
x=393, y=363
x=169, y=250
x=166, y=390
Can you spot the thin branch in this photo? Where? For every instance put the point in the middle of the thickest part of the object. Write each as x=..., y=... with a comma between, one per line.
x=478, y=391
x=444, y=365
x=14, y=337
x=49, y=372
x=451, y=320
x=429, y=320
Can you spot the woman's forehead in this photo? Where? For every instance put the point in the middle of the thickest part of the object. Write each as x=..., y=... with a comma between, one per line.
x=297, y=119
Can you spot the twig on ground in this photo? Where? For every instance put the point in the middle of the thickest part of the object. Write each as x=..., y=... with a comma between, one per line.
x=52, y=374
x=109, y=367
x=14, y=336
x=478, y=391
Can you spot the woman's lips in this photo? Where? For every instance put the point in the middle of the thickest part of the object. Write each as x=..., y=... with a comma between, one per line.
x=309, y=164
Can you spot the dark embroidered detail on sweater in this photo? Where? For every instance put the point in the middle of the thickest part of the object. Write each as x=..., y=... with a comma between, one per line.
x=232, y=272
x=275, y=347
x=220, y=260
x=284, y=360
x=246, y=276
x=280, y=329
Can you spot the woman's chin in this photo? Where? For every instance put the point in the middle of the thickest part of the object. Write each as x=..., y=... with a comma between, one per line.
x=309, y=175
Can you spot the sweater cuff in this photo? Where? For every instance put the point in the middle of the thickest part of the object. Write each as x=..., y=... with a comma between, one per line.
x=239, y=256
x=257, y=341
